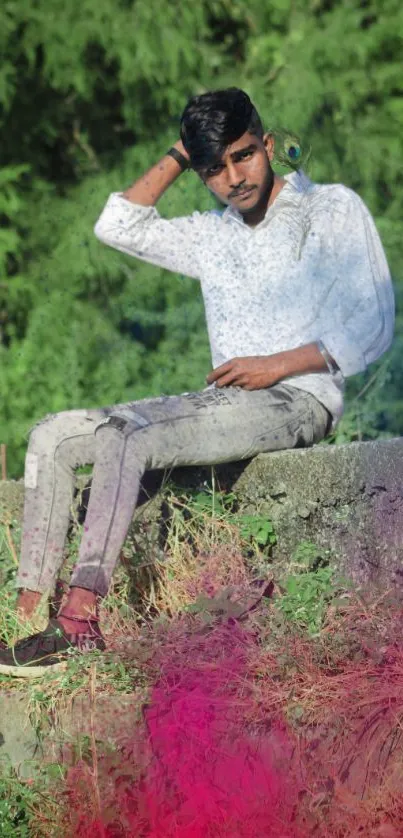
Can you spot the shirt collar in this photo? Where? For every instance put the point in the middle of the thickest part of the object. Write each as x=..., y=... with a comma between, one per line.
x=297, y=181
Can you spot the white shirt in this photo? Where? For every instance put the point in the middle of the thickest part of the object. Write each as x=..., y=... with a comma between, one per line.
x=312, y=269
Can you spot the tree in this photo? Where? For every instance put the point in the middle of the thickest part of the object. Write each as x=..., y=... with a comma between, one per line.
x=91, y=95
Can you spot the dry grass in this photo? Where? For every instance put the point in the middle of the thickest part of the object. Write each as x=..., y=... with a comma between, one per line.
x=338, y=695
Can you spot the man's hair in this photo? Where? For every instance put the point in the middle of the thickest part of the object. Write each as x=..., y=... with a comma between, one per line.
x=214, y=120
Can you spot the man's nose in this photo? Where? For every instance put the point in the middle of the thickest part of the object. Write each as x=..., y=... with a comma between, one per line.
x=235, y=175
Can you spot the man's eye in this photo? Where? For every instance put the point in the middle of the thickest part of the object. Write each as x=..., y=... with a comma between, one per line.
x=213, y=170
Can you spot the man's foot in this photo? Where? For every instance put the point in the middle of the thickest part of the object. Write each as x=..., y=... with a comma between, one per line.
x=79, y=611
x=31, y=613
x=28, y=603
x=48, y=650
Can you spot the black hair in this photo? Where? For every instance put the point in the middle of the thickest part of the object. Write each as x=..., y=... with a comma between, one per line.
x=214, y=120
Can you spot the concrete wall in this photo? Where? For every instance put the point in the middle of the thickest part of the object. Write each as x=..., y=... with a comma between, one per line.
x=347, y=499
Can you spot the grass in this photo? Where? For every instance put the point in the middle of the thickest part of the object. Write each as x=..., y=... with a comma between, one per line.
x=10, y=625
x=28, y=808
x=326, y=659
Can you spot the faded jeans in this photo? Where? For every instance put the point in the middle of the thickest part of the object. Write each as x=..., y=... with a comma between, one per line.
x=204, y=428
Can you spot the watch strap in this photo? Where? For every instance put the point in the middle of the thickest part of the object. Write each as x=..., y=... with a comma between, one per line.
x=180, y=158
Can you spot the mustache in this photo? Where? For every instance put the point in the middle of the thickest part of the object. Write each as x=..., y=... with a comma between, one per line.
x=236, y=192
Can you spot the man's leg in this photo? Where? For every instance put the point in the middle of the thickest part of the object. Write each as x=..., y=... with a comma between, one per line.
x=213, y=426
x=57, y=446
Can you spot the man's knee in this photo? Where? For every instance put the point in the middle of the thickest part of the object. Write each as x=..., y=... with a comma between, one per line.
x=124, y=424
x=54, y=427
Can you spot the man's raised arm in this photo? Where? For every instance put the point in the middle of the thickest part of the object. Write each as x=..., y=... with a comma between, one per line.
x=147, y=190
x=130, y=223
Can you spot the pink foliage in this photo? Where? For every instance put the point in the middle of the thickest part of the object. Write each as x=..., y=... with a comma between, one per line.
x=209, y=776
x=203, y=772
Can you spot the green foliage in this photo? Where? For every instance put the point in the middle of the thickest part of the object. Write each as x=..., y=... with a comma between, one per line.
x=306, y=591
x=256, y=531
x=15, y=800
x=91, y=96
x=21, y=799
x=10, y=536
x=29, y=806
x=88, y=73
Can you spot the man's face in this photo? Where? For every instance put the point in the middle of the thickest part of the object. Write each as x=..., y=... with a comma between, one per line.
x=243, y=178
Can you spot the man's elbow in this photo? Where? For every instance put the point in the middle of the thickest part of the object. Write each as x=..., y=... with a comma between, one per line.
x=382, y=344
x=387, y=341
x=110, y=235
x=101, y=232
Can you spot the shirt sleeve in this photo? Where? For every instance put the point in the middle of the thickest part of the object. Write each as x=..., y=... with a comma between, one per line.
x=358, y=319
x=175, y=244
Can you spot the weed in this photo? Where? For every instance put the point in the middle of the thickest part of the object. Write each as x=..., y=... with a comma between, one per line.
x=208, y=518
x=28, y=808
x=14, y=809
x=255, y=530
x=307, y=591
x=11, y=626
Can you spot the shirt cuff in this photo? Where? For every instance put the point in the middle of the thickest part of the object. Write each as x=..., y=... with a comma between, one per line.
x=347, y=355
x=119, y=211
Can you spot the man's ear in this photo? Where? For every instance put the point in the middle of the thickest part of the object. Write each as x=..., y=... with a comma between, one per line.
x=268, y=140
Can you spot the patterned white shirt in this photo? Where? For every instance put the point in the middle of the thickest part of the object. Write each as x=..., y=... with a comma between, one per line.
x=313, y=269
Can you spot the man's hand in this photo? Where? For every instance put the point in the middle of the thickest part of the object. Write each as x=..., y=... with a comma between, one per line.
x=258, y=371
x=251, y=373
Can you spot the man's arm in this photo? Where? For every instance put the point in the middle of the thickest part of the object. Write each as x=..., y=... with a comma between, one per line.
x=355, y=326
x=131, y=224
x=259, y=371
x=358, y=316
x=149, y=188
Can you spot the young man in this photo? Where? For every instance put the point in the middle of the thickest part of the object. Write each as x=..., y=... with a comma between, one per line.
x=297, y=295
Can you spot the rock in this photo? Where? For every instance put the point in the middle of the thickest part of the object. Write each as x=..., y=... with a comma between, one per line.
x=55, y=736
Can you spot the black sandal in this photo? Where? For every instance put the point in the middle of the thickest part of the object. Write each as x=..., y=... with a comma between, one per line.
x=49, y=649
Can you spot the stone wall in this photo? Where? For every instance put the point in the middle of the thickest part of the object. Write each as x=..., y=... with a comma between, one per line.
x=346, y=499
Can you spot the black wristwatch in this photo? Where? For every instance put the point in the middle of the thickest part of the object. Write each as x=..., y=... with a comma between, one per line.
x=180, y=158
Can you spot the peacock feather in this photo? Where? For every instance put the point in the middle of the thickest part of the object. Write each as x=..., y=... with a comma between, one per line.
x=288, y=149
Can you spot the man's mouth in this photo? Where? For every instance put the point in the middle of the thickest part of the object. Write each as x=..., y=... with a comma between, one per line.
x=243, y=194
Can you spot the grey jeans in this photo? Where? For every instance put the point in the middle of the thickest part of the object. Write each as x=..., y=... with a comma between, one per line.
x=123, y=441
